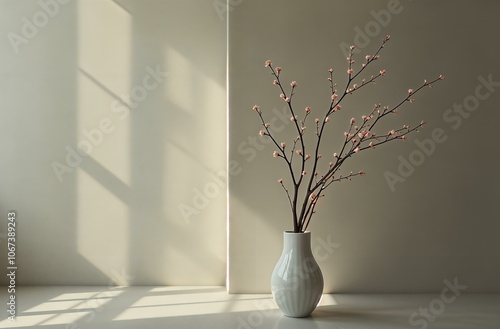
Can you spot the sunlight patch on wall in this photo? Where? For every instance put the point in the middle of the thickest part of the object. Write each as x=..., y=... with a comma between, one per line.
x=103, y=133
x=104, y=82
x=102, y=217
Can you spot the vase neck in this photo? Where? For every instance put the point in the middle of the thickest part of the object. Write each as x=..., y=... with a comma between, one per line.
x=294, y=240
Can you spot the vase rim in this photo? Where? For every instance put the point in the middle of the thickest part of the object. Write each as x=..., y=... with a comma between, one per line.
x=292, y=232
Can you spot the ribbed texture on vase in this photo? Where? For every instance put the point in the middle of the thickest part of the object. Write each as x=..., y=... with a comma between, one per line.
x=297, y=282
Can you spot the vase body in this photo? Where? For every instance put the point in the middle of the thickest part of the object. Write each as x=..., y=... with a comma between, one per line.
x=297, y=281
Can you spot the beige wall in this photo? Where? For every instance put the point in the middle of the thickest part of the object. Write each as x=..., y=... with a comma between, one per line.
x=141, y=85
x=441, y=221
x=136, y=85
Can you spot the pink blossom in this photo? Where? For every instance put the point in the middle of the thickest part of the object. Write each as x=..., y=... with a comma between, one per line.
x=303, y=128
x=353, y=120
x=304, y=173
x=278, y=69
x=334, y=96
x=283, y=145
x=312, y=196
x=364, y=118
x=335, y=155
x=262, y=133
x=330, y=164
x=403, y=138
x=362, y=173
x=327, y=119
x=320, y=156
x=316, y=120
x=287, y=99
x=280, y=181
x=371, y=144
x=355, y=86
x=352, y=47
x=367, y=57
x=392, y=132
x=350, y=71
x=299, y=152
x=307, y=157
x=338, y=108
x=282, y=96
x=441, y=77
x=256, y=108
x=308, y=109
x=292, y=119
x=275, y=82
x=276, y=154
x=410, y=91
x=293, y=83
x=268, y=63
x=267, y=125
x=356, y=150
x=346, y=134
x=330, y=70
x=382, y=72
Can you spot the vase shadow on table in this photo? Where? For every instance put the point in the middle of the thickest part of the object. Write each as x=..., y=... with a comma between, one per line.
x=351, y=317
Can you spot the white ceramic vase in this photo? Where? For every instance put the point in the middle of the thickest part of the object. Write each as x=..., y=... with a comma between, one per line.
x=297, y=282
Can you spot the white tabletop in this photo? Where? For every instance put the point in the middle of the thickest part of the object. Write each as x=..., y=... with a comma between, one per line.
x=212, y=307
